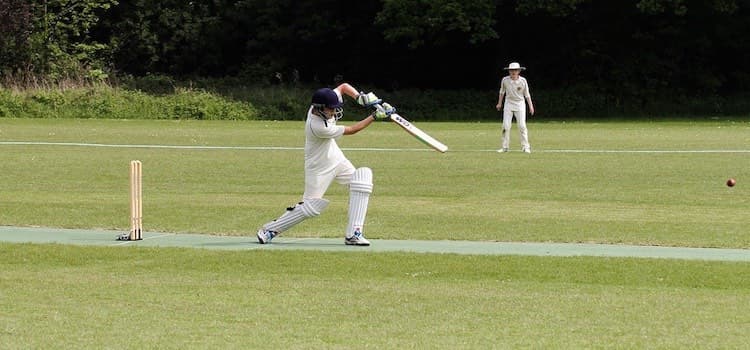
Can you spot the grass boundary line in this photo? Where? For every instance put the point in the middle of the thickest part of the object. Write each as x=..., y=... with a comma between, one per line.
x=368, y=149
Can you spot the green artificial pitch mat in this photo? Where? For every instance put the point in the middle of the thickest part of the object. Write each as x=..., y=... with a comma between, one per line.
x=202, y=241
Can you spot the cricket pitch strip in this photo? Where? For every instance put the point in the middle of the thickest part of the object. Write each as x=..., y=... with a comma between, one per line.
x=10, y=234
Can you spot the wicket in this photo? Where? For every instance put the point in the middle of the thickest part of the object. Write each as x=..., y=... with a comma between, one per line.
x=136, y=201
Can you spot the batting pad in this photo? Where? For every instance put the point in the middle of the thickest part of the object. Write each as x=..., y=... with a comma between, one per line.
x=296, y=214
x=359, y=196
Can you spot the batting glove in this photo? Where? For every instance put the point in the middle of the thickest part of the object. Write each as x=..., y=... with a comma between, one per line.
x=384, y=111
x=368, y=99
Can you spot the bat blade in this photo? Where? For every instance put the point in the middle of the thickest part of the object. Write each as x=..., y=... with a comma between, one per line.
x=418, y=133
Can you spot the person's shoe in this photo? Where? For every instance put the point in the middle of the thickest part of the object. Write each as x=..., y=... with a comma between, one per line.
x=526, y=150
x=357, y=239
x=265, y=236
x=502, y=150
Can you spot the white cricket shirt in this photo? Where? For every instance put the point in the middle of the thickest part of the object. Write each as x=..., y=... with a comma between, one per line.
x=516, y=92
x=322, y=153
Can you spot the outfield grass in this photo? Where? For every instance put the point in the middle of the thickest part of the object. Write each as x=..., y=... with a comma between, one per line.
x=468, y=193
x=86, y=297
x=57, y=296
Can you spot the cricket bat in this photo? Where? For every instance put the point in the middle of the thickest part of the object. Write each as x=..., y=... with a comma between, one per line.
x=419, y=134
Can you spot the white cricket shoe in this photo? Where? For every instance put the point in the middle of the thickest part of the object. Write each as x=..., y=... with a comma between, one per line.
x=357, y=239
x=526, y=150
x=265, y=236
x=502, y=150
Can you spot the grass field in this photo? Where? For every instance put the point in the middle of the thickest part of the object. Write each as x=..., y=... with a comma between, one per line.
x=468, y=193
x=648, y=183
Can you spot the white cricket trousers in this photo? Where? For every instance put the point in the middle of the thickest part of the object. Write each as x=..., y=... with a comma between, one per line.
x=508, y=122
x=316, y=185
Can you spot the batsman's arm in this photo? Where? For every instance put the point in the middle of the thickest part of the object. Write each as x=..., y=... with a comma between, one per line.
x=382, y=112
x=348, y=90
x=359, y=126
x=364, y=99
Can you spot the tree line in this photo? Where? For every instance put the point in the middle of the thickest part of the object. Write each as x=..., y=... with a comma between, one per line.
x=621, y=48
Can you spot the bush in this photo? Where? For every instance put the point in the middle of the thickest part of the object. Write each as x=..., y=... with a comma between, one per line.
x=158, y=97
x=113, y=103
x=197, y=104
x=153, y=84
x=10, y=104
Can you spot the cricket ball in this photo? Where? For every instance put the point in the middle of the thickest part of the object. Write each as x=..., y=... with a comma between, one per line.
x=731, y=182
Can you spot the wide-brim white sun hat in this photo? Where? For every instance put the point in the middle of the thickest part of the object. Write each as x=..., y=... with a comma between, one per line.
x=514, y=65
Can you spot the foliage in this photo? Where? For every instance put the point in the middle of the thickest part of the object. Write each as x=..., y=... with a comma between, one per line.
x=61, y=43
x=168, y=37
x=437, y=22
x=15, y=28
x=162, y=97
x=105, y=102
x=152, y=83
x=560, y=8
x=673, y=50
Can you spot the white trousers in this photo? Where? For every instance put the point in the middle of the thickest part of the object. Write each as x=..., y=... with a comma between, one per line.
x=316, y=185
x=507, y=123
x=360, y=187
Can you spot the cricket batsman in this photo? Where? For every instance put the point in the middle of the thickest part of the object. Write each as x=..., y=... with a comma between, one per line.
x=325, y=162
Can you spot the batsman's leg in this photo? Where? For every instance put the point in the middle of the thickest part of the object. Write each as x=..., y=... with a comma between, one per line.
x=359, y=196
x=293, y=215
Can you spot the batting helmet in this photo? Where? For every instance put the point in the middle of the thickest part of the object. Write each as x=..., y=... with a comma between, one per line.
x=326, y=98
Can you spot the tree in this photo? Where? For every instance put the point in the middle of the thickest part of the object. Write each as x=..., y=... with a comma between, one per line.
x=60, y=42
x=641, y=48
x=171, y=36
x=437, y=22
x=15, y=28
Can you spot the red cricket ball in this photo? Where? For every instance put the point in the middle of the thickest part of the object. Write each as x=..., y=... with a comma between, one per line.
x=731, y=182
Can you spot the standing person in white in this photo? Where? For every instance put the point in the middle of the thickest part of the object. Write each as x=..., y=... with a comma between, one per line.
x=514, y=92
x=325, y=162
